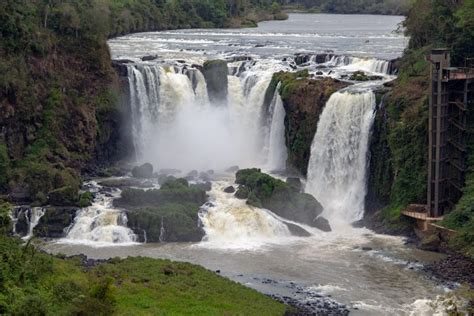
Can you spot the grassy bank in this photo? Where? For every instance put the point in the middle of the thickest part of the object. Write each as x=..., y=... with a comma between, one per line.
x=35, y=283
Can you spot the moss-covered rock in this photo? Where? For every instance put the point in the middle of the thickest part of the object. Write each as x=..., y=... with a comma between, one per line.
x=215, y=72
x=303, y=99
x=171, y=222
x=54, y=222
x=282, y=199
x=64, y=196
x=143, y=171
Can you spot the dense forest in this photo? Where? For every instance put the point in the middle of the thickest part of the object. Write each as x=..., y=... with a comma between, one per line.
x=392, y=7
x=400, y=144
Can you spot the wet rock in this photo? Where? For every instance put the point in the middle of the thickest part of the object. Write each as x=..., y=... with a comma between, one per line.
x=242, y=193
x=454, y=268
x=319, y=73
x=303, y=100
x=126, y=183
x=298, y=231
x=215, y=73
x=229, y=189
x=169, y=172
x=193, y=174
x=322, y=224
x=143, y=171
x=232, y=169
x=55, y=221
x=149, y=57
x=294, y=183
x=430, y=243
x=366, y=248
x=206, y=186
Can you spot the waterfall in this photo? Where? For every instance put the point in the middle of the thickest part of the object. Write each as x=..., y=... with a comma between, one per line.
x=277, y=153
x=100, y=223
x=175, y=126
x=338, y=163
x=357, y=63
x=231, y=223
x=31, y=217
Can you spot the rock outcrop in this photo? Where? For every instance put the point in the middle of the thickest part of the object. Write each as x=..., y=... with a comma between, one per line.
x=303, y=99
x=169, y=214
x=215, y=72
x=280, y=198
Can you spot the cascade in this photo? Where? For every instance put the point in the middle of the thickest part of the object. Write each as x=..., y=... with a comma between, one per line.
x=231, y=222
x=361, y=64
x=100, y=223
x=31, y=217
x=338, y=163
x=276, y=147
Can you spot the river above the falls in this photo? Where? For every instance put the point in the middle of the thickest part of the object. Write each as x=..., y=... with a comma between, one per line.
x=370, y=274
x=355, y=35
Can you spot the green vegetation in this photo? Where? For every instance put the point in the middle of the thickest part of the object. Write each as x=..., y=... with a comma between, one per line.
x=175, y=207
x=172, y=191
x=303, y=99
x=393, y=7
x=33, y=283
x=58, y=92
x=400, y=145
x=262, y=190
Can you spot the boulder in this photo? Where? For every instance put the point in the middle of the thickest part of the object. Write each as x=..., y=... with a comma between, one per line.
x=229, y=189
x=206, y=186
x=242, y=193
x=232, y=169
x=193, y=174
x=143, y=171
x=296, y=230
x=149, y=57
x=55, y=221
x=430, y=243
x=322, y=224
x=294, y=183
x=171, y=222
x=215, y=73
x=279, y=197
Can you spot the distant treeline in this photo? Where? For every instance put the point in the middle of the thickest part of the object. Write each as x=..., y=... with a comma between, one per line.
x=393, y=7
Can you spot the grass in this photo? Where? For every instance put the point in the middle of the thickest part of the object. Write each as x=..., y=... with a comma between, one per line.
x=34, y=283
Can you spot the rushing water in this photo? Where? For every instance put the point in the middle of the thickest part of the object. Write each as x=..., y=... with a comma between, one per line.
x=175, y=125
x=338, y=164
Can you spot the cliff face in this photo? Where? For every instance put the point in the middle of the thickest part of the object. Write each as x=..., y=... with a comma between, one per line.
x=304, y=100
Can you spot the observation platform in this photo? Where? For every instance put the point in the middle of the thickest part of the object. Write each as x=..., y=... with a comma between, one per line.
x=420, y=213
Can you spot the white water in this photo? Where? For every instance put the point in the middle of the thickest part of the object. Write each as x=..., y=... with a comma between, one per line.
x=100, y=224
x=277, y=152
x=32, y=217
x=338, y=163
x=231, y=223
x=175, y=126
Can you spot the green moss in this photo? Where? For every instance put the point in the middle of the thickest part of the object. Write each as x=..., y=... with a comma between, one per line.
x=85, y=199
x=179, y=221
x=64, y=196
x=172, y=191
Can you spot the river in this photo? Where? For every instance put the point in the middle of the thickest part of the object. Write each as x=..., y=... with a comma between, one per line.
x=370, y=274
